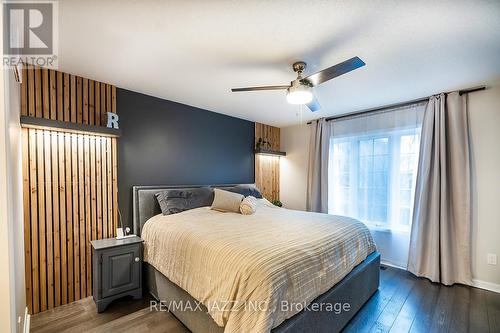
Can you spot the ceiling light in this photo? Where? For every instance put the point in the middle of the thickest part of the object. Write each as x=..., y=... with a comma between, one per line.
x=299, y=94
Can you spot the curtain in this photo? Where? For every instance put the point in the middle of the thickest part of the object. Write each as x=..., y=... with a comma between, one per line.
x=373, y=171
x=317, y=173
x=440, y=236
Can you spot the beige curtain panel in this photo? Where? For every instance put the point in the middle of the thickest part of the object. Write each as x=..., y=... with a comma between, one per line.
x=440, y=235
x=317, y=173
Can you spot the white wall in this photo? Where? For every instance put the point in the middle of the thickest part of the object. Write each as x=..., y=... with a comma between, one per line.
x=11, y=159
x=293, y=168
x=484, y=118
x=14, y=170
x=12, y=288
x=5, y=279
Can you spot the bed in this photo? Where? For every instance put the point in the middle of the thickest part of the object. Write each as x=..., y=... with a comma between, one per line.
x=226, y=272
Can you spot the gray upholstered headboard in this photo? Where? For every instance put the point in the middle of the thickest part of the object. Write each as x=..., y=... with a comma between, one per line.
x=146, y=206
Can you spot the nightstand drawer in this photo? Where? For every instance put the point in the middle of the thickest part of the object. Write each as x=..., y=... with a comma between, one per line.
x=121, y=269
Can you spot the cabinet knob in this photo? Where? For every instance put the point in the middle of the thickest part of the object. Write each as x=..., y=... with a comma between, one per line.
x=137, y=259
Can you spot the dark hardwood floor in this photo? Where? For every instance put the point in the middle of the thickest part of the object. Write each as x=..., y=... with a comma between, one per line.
x=124, y=315
x=403, y=303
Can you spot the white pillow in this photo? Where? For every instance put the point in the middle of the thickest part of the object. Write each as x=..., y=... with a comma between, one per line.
x=248, y=206
x=225, y=201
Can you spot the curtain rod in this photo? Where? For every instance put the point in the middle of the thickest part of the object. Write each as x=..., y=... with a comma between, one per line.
x=401, y=104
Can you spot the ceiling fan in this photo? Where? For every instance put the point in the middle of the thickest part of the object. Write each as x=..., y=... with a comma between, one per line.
x=299, y=91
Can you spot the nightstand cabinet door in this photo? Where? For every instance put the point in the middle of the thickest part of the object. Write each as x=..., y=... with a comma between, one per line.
x=121, y=270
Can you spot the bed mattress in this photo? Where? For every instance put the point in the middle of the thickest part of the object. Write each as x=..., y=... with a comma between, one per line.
x=252, y=272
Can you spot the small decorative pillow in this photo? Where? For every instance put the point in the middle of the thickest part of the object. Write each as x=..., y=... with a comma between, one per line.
x=225, y=201
x=248, y=206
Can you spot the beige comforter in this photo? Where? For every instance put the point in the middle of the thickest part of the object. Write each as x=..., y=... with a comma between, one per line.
x=249, y=270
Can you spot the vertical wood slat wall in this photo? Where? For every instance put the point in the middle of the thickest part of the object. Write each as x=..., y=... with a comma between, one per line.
x=50, y=94
x=69, y=184
x=267, y=168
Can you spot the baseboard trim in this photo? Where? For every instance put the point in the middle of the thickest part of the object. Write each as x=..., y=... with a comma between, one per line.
x=27, y=318
x=486, y=285
x=490, y=286
x=391, y=264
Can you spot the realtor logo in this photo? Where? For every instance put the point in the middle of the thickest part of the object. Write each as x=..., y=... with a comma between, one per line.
x=30, y=32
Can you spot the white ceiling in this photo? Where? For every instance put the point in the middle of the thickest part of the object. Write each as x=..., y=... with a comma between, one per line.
x=193, y=52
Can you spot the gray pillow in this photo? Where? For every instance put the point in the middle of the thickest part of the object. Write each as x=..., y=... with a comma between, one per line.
x=246, y=190
x=175, y=201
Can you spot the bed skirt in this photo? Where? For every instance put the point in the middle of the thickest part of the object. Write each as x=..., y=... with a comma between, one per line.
x=354, y=289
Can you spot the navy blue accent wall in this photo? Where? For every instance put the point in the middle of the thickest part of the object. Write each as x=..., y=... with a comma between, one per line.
x=168, y=143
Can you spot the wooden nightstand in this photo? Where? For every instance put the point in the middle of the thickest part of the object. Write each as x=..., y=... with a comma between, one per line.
x=117, y=270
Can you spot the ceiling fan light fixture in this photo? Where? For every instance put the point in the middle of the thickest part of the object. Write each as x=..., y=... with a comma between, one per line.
x=299, y=94
x=300, y=90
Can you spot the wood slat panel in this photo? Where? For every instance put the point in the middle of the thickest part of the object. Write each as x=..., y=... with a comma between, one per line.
x=49, y=218
x=104, y=172
x=55, y=218
x=113, y=99
x=38, y=92
x=69, y=215
x=91, y=102
x=109, y=182
x=31, y=92
x=62, y=216
x=79, y=106
x=114, y=181
x=93, y=190
x=53, y=94
x=109, y=101
x=103, y=104
x=69, y=185
x=72, y=95
x=42, y=235
x=99, y=186
x=60, y=96
x=81, y=215
x=34, y=218
x=66, y=105
x=69, y=182
x=76, y=217
x=97, y=103
x=45, y=93
x=88, y=222
x=24, y=92
x=85, y=93
x=26, y=216
x=267, y=167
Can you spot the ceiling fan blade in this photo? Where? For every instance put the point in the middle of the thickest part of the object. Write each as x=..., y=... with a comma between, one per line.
x=334, y=71
x=261, y=88
x=314, y=104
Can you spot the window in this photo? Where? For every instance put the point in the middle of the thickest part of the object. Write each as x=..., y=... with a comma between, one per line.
x=373, y=170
